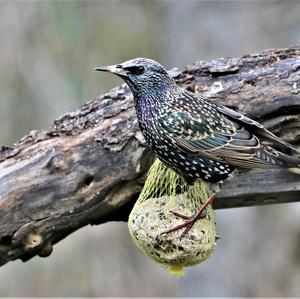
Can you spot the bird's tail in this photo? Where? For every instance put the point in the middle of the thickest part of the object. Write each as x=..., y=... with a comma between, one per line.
x=292, y=163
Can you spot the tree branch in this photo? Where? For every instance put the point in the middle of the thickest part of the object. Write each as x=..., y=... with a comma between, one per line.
x=90, y=165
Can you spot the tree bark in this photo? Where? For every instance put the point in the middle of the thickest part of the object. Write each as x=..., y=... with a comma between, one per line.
x=90, y=165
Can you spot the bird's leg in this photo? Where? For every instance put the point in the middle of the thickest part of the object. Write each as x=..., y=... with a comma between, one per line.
x=188, y=224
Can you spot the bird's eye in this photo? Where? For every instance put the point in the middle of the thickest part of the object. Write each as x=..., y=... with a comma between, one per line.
x=136, y=70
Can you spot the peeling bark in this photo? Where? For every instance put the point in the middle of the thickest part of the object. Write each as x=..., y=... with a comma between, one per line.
x=90, y=165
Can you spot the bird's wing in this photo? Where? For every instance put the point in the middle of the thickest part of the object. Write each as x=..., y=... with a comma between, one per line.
x=211, y=134
x=259, y=129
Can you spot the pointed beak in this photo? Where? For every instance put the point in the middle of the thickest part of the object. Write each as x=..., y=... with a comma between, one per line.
x=114, y=69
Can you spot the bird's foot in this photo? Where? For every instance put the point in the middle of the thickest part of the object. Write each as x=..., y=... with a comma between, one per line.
x=188, y=224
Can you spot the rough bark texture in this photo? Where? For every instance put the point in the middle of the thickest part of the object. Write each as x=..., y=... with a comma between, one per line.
x=90, y=165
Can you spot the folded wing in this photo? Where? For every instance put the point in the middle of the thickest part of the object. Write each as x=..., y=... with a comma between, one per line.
x=224, y=135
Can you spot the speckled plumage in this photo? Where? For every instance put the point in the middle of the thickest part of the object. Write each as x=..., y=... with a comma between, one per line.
x=196, y=137
x=163, y=131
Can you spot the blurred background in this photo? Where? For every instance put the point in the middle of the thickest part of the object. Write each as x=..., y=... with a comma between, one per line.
x=48, y=51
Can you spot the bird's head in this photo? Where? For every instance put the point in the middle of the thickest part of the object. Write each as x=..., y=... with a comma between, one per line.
x=144, y=76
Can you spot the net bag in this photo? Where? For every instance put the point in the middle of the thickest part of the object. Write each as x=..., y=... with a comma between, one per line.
x=165, y=191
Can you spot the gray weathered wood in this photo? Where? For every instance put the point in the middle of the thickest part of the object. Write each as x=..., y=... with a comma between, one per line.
x=259, y=187
x=90, y=165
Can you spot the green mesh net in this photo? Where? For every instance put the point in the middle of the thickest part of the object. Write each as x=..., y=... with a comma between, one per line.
x=165, y=191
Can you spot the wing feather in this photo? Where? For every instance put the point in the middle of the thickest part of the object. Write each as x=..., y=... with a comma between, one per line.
x=223, y=140
x=209, y=129
x=260, y=129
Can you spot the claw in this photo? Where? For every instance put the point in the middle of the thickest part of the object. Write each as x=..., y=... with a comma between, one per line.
x=188, y=224
x=179, y=215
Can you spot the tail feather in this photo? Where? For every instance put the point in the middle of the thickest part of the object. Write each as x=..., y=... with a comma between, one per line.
x=292, y=163
x=274, y=158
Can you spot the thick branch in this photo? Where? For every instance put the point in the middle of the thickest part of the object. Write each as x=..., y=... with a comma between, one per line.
x=90, y=166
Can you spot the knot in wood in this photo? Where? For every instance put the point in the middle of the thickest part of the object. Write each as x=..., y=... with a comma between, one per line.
x=57, y=163
x=33, y=240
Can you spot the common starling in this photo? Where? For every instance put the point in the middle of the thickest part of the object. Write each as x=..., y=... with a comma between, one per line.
x=196, y=137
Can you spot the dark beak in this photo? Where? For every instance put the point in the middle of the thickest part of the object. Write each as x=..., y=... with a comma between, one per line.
x=114, y=69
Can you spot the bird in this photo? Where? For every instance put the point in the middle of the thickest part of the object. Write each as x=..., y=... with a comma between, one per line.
x=195, y=136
